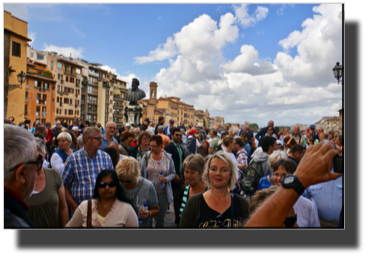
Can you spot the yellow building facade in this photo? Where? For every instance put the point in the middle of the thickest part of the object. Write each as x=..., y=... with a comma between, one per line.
x=15, y=56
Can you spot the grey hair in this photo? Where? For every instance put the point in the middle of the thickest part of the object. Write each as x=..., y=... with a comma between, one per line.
x=160, y=129
x=65, y=135
x=235, y=129
x=194, y=162
x=227, y=159
x=276, y=156
x=19, y=147
x=80, y=141
x=59, y=128
x=89, y=131
x=41, y=146
x=110, y=122
x=99, y=122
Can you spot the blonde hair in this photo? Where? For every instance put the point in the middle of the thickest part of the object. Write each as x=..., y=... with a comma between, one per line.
x=227, y=159
x=276, y=156
x=128, y=169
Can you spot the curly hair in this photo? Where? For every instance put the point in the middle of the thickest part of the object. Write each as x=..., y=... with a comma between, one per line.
x=127, y=134
x=142, y=135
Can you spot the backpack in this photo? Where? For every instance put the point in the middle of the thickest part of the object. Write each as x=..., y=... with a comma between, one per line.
x=218, y=148
x=190, y=144
x=252, y=176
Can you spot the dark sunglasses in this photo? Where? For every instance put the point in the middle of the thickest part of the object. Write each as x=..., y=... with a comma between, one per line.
x=290, y=221
x=178, y=135
x=109, y=184
x=219, y=221
x=39, y=161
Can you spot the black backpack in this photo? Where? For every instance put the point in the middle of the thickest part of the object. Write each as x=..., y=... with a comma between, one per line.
x=251, y=177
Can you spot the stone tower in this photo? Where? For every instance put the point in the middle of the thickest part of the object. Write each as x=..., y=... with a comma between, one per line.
x=153, y=91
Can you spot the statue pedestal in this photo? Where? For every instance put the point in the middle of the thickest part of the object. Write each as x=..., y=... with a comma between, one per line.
x=133, y=115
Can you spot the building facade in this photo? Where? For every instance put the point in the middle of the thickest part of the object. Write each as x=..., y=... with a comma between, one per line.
x=329, y=124
x=15, y=61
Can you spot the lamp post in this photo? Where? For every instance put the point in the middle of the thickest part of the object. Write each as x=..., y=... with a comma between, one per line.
x=337, y=71
x=21, y=77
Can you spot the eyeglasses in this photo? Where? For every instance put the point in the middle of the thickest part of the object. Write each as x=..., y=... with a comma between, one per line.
x=97, y=138
x=178, y=135
x=219, y=221
x=290, y=221
x=39, y=162
x=109, y=184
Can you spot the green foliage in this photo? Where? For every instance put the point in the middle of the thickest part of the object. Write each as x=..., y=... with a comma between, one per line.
x=47, y=73
x=253, y=126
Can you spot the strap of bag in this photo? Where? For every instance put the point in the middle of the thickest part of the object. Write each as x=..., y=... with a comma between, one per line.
x=89, y=216
x=232, y=210
x=135, y=195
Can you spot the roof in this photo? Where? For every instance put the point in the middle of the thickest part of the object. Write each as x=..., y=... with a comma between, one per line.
x=40, y=76
x=70, y=62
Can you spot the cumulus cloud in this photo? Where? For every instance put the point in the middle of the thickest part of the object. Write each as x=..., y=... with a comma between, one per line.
x=65, y=51
x=248, y=62
x=318, y=45
x=246, y=20
x=163, y=52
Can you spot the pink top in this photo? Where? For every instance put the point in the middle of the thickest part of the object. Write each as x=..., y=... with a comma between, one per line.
x=120, y=215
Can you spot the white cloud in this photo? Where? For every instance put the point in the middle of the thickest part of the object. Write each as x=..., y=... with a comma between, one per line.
x=33, y=37
x=248, y=62
x=318, y=45
x=163, y=52
x=246, y=20
x=65, y=51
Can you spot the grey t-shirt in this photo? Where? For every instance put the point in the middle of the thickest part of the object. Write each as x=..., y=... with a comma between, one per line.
x=146, y=193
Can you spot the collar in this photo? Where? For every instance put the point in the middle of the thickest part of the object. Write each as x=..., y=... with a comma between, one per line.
x=14, y=196
x=176, y=145
x=86, y=153
x=242, y=150
x=292, y=158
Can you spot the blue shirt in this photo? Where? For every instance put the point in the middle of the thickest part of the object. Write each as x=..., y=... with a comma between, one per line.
x=327, y=197
x=248, y=149
x=81, y=171
x=105, y=142
x=264, y=183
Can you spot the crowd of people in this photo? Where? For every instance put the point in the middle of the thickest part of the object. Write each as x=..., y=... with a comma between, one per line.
x=224, y=177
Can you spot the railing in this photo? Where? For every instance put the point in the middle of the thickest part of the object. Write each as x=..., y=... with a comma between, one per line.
x=106, y=86
x=92, y=92
x=92, y=112
x=92, y=102
x=44, y=114
x=84, y=81
x=73, y=73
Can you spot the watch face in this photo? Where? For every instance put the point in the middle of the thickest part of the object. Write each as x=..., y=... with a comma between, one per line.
x=288, y=180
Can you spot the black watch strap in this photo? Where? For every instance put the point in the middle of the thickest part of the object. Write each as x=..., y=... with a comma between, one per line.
x=287, y=182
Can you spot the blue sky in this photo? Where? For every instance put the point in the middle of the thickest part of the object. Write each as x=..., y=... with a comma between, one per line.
x=243, y=62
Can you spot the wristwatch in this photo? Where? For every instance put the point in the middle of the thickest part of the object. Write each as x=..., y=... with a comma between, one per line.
x=291, y=181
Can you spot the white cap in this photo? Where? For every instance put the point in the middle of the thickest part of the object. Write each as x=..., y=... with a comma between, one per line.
x=127, y=125
x=279, y=143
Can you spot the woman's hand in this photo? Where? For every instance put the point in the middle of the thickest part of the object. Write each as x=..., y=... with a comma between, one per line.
x=143, y=214
x=162, y=179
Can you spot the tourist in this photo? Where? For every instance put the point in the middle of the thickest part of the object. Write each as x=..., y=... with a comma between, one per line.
x=139, y=150
x=126, y=139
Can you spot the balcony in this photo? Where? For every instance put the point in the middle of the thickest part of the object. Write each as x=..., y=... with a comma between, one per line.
x=92, y=102
x=85, y=82
x=92, y=92
x=44, y=114
x=60, y=104
x=71, y=73
x=92, y=112
x=119, y=123
x=118, y=98
x=93, y=73
x=106, y=86
x=76, y=105
x=118, y=106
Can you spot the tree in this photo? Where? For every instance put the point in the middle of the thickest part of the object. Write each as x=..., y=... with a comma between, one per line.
x=253, y=126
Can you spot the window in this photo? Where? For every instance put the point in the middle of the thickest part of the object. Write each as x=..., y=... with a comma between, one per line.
x=66, y=100
x=71, y=79
x=58, y=76
x=44, y=97
x=57, y=111
x=38, y=97
x=66, y=78
x=40, y=57
x=32, y=54
x=59, y=65
x=16, y=49
x=52, y=65
x=70, y=112
x=78, y=71
x=46, y=85
x=70, y=101
x=38, y=84
x=66, y=111
x=38, y=108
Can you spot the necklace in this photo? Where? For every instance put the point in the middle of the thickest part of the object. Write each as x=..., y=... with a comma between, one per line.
x=104, y=206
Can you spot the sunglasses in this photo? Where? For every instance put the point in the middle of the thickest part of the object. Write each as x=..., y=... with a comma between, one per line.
x=109, y=184
x=290, y=221
x=177, y=135
x=219, y=221
x=39, y=162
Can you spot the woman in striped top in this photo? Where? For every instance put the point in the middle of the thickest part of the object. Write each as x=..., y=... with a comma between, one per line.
x=193, y=167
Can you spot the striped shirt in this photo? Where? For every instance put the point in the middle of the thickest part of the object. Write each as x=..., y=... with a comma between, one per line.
x=81, y=171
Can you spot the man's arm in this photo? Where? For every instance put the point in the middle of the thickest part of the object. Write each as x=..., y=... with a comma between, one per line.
x=314, y=168
x=259, y=134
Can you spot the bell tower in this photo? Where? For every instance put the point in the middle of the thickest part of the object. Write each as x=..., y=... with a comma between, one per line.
x=153, y=91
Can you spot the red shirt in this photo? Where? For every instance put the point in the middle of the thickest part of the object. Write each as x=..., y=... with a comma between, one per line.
x=49, y=135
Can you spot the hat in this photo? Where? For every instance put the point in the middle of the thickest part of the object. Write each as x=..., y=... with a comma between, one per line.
x=312, y=126
x=279, y=143
x=147, y=120
x=171, y=120
x=192, y=131
x=127, y=125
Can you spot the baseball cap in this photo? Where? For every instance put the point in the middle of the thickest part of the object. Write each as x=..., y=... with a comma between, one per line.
x=192, y=131
x=147, y=120
x=171, y=120
x=279, y=143
x=127, y=125
x=312, y=126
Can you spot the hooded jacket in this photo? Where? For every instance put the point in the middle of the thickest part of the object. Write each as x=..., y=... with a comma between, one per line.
x=263, y=158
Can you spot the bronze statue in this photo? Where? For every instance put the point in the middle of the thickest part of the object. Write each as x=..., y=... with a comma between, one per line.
x=133, y=96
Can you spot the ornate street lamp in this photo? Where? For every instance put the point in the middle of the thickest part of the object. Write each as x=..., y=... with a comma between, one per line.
x=337, y=71
x=21, y=77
